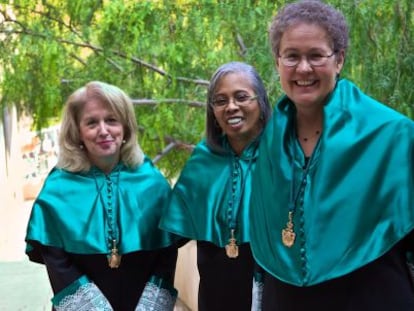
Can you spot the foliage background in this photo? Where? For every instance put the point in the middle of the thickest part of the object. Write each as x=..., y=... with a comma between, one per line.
x=162, y=53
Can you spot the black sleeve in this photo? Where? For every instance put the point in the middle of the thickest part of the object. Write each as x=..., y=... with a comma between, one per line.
x=409, y=242
x=167, y=263
x=62, y=272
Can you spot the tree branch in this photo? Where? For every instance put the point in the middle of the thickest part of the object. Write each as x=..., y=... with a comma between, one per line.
x=153, y=102
x=97, y=49
x=240, y=42
x=164, y=152
x=172, y=144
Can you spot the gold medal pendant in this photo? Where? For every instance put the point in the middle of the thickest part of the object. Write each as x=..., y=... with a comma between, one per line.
x=288, y=235
x=114, y=260
x=232, y=250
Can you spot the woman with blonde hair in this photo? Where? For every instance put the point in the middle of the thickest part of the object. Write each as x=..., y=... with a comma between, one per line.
x=95, y=222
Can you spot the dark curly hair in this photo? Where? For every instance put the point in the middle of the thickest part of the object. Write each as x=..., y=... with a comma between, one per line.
x=310, y=12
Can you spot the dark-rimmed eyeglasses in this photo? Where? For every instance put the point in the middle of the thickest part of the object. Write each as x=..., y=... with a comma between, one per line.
x=241, y=100
x=314, y=59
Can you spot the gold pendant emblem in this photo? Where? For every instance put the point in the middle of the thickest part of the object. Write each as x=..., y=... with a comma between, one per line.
x=288, y=235
x=232, y=250
x=114, y=259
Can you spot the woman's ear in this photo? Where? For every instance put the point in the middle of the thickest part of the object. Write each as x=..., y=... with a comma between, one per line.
x=340, y=60
x=277, y=64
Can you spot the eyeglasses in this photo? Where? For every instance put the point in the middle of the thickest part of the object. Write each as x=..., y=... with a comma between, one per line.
x=313, y=59
x=240, y=100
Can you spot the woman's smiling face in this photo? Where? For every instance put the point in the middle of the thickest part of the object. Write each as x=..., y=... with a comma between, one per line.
x=101, y=134
x=240, y=122
x=304, y=84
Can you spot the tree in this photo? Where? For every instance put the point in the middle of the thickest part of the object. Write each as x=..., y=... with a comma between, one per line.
x=162, y=53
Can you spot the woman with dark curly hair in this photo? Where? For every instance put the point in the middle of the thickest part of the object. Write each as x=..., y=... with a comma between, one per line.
x=332, y=205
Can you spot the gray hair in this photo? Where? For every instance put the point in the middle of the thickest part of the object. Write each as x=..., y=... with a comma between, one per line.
x=213, y=130
x=311, y=12
x=71, y=156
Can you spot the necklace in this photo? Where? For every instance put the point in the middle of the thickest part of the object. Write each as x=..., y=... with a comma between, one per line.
x=114, y=258
x=288, y=233
x=305, y=139
x=232, y=249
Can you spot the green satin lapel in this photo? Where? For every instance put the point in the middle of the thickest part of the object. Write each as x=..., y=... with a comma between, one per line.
x=359, y=197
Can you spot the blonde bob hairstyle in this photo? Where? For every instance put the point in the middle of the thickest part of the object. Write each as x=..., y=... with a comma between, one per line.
x=72, y=157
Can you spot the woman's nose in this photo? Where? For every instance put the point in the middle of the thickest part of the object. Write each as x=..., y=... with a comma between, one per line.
x=304, y=64
x=102, y=128
x=232, y=104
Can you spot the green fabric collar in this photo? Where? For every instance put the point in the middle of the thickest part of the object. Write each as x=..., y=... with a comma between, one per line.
x=199, y=204
x=359, y=195
x=72, y=214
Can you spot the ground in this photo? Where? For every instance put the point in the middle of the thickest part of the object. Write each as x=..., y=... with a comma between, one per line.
x=24, y=285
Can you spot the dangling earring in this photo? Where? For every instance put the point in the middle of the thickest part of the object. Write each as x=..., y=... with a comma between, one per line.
x=124, y=141
x=81, y=146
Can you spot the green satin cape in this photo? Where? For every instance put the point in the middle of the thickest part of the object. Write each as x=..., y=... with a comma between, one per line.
x=68, y=213
x=199, y=204
x=359, y=197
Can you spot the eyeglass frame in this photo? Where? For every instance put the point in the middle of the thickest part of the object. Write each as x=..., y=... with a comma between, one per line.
x=324, y=57
x=243, y=103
